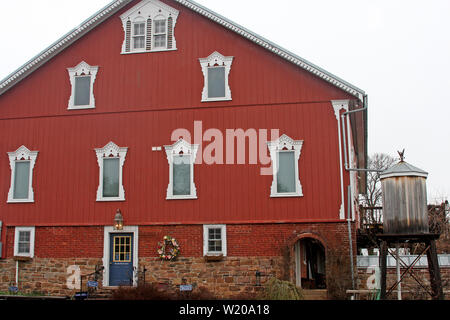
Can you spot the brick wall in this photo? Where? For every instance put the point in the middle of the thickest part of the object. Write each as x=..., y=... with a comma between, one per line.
x=250, y=248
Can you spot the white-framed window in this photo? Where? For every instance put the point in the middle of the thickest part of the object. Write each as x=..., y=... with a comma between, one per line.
x=160, y=34
x=216, y=69
x=24, y=242
x=149, y=26
x=110, y=160
x=285, y=154
x=181, y=157
x=214, y=240
x=139, y=35
x=82, y=78
x=21, y=163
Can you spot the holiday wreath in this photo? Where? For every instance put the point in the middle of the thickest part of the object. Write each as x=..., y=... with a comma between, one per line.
x=173, y=248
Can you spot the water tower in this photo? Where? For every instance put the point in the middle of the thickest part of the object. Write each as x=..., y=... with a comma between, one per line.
x=405, y=220
x=404, y=193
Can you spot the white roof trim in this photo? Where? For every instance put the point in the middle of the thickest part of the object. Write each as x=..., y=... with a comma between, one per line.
x=113, y=7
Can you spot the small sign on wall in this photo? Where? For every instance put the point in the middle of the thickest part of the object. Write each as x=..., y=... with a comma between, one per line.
x=186, y=287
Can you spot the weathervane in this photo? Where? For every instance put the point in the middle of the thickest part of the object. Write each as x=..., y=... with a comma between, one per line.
x=401, y=154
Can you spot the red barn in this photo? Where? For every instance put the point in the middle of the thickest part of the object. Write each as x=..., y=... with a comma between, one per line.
x=160, y=119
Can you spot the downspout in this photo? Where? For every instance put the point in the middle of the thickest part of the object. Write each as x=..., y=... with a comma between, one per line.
x=347, y=167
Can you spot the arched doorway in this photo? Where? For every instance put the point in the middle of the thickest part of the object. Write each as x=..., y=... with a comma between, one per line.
x=310, y=264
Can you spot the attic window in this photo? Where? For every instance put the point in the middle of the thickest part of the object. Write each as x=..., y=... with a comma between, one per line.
x=82, y=78
x=148, y=27
x=216, y=69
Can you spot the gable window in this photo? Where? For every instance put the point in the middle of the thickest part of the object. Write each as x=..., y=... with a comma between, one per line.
x=160, y=34
x=82, y=78
x=214, y=240
x=21, y=163
x=149, y=26
x=110, y=159
x=216, y=69
x=181, y=157
x=139, y=35
x=285, y=153
x=24, y=242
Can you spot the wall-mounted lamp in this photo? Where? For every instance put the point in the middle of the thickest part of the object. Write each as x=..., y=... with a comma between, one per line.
x=118, y=220
x=258, y=278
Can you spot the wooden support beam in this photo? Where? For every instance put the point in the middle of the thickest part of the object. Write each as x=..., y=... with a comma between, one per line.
x=435, y=274
x=383, y=266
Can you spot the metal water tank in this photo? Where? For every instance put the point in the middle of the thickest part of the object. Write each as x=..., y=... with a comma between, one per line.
x=404, y=193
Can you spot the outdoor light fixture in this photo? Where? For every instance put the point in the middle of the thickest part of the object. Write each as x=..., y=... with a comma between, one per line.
x=118, y=220
x=258, y=278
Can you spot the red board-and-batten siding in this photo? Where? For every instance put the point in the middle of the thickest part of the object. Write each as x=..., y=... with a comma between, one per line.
x=140, y=100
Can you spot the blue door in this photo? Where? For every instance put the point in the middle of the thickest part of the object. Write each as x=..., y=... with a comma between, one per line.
x=121, y=259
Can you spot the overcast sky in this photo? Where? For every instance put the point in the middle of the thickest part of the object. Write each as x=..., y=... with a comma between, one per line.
x=398, y=52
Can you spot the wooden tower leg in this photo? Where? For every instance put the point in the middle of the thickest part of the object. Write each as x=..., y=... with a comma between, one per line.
x=383, y=266
x=433, y=269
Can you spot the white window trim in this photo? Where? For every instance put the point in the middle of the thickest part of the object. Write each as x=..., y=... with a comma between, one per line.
x=106, y=251
x=149, y=9
x=16, y=242
x=223, y=227
x=173, y=150
x=79, y=70
x=277, y=146
x=21, y=153
x=209, y=62
x=111, y=150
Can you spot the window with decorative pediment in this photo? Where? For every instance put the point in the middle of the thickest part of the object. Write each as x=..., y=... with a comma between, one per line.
x=21, y=163
x=110, y=160
x=82, y=78
x=216, y=69
x=149, y=26
x=181, y=157
x=285, y=154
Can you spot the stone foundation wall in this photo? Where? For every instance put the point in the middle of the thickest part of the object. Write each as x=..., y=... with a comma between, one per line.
x=229, y=277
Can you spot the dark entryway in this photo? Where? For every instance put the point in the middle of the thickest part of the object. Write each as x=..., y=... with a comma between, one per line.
x=310, y=264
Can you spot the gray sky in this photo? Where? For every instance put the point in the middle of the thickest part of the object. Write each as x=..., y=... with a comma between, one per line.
x=398, y=52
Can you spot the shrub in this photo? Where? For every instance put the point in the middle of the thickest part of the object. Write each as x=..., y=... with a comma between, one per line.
x=276, y=289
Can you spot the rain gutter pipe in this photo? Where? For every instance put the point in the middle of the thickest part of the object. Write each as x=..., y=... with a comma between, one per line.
x=345, y=114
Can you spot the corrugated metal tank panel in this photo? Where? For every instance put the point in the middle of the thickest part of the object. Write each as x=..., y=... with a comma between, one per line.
x=140, y=100
x=404, y=205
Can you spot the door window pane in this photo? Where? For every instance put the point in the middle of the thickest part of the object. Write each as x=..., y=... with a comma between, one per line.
x=286, y=171
x=82, y=90
x=181, y=175
x=111, y=177
x=216, y=82
x=21, y=179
